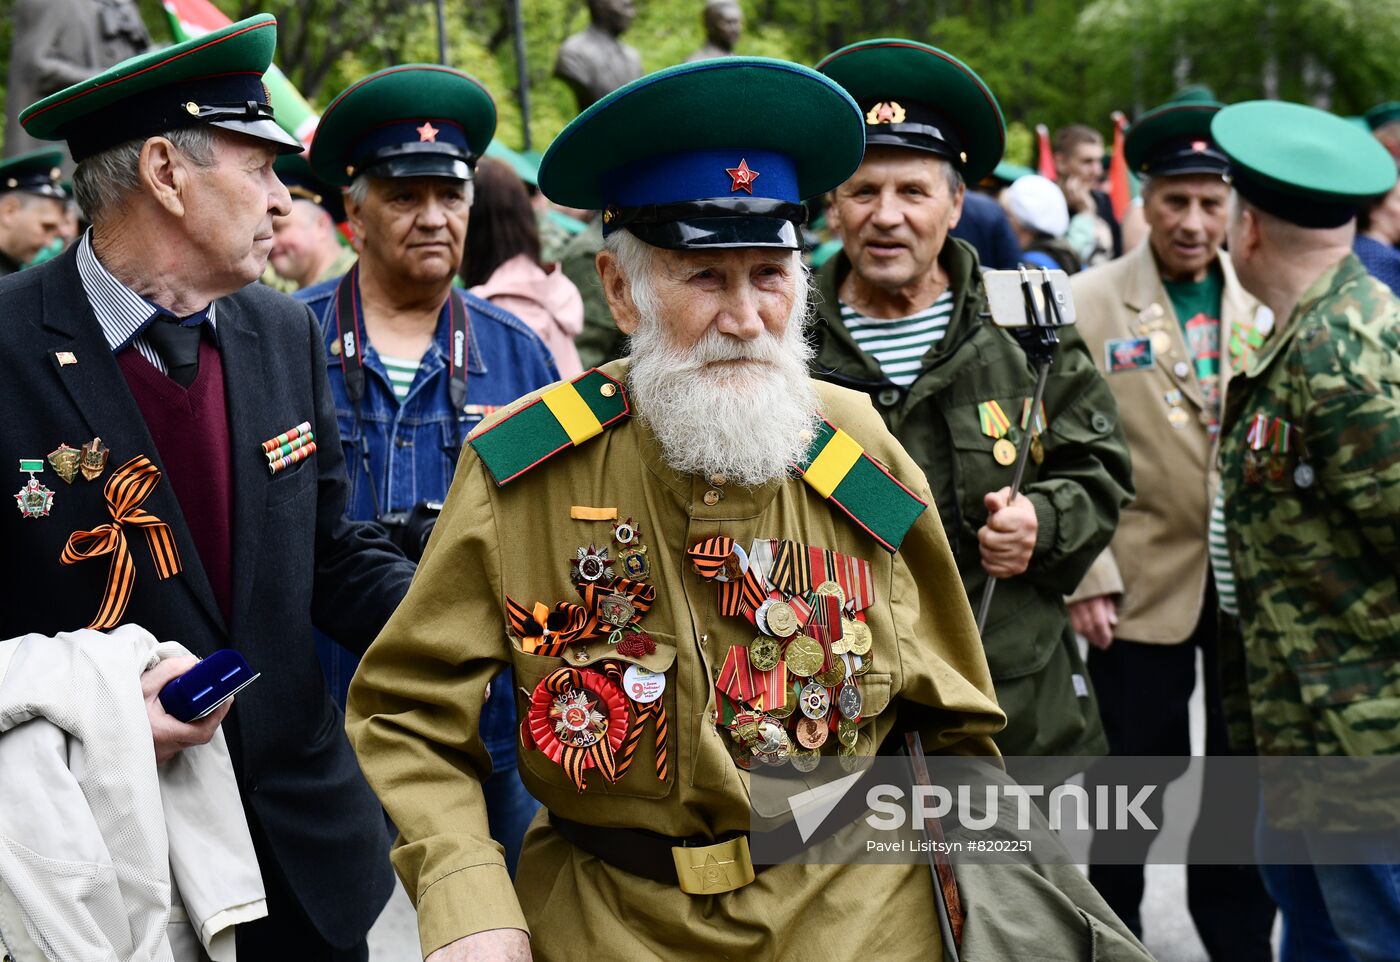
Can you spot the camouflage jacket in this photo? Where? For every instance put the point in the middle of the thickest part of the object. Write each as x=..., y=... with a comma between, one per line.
x=1077, y=489
x=1314, y=528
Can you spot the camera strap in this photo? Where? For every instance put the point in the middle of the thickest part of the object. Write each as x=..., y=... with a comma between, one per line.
x=349, y=333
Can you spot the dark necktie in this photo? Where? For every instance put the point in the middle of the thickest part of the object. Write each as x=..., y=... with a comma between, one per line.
x=177, y=344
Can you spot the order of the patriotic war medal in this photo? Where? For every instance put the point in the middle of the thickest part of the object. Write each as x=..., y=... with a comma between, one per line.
x=577, y=720
x=591, y=564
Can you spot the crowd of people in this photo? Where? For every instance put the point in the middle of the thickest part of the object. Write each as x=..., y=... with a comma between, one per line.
x=568, y=493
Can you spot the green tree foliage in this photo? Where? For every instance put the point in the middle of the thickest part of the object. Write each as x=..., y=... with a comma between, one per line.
x=1048, y=61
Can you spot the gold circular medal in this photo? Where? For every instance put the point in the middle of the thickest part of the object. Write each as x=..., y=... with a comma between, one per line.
x=1178, y=417
x=785, y=709
x=764, y=653
x=865, y=664
x=1004, y=452
x=861, y=639
x=811, y=732
x=804, y=656
x=832, y=589
x=834, y=675
x=782, y=620
x=1037, y=450
x=847, y=732
x=805, y=759
x=1161, y=342
x=842, y=645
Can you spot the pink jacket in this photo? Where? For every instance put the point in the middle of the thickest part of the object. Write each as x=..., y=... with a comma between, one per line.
x=546, y=300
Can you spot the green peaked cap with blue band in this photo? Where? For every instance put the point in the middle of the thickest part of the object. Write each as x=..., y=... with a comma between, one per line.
x=715, y=154
x=36, y=172
x=918, y=97
x=214, y=80
x=1304, y=165
x=412, y=120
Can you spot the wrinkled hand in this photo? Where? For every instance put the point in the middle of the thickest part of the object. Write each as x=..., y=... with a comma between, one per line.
x=493, y=945
x=1095, y=619
x=1008, y=538
x=170, y=734
x=1077, y=195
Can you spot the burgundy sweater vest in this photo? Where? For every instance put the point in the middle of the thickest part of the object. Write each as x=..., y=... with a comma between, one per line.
x=190, y=428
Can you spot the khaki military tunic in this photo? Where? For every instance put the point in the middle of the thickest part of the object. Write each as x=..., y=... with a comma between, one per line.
x=415, y=702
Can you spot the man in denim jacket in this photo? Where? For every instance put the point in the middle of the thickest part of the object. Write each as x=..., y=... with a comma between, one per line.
x=414, y=363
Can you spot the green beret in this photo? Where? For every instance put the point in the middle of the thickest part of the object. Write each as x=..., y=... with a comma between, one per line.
x=1301, y=164
x=716, y=153
x=214, y=79
x=37, y=172
x=1175, y=139
x=413, y=120
x=916, y=96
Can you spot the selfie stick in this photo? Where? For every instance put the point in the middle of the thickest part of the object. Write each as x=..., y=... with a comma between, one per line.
x=1039, y=340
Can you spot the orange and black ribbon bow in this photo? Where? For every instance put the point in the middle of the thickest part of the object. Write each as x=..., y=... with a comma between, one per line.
x=126, y=490
x=550, y=631
x=655, y=710
x=711, y=557
x=566, y=681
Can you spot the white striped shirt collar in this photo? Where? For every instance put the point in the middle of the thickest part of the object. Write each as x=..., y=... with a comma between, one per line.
x=120, y=311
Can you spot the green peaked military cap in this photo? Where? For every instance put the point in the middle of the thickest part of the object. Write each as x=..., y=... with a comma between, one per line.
x=302, y=183
x=1194, y=94
x=713, y=154
x=36, y=172
x=1301, y=164
x=1175, y=139
x=413, y=120
x=214, y=79
x=916, y=96
x=1382, y=114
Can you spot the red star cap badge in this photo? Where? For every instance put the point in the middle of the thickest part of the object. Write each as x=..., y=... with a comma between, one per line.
x=427, y=133
x=1199, y=146
x=743, y=177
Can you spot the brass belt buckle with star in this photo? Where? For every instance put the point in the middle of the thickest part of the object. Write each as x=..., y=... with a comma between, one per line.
x=713, y=869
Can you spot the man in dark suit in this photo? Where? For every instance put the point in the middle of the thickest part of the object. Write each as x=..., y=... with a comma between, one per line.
x=145, y=349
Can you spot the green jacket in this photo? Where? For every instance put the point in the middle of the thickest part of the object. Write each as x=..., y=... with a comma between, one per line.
x=1077, y=492
x=1314, y=531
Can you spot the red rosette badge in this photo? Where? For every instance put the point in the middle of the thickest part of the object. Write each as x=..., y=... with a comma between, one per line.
x=579, y=719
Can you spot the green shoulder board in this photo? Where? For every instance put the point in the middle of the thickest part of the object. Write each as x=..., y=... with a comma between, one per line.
x=840, y=471
x=564, y=416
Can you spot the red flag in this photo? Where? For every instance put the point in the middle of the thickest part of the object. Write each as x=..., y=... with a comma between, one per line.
x=1120, y=191
x=1047, y=156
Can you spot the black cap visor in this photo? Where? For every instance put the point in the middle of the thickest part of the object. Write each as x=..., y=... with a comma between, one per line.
x=925, y=137
x=417, y=160
x=264, y=129
x=717, y=223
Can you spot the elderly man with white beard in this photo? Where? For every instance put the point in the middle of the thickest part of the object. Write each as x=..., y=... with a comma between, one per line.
x=662, y=549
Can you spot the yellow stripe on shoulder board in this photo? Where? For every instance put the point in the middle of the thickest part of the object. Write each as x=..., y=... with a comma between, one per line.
x=572, y=412
x=834, y=462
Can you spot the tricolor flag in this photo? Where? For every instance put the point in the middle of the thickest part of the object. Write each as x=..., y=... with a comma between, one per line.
x=1120, y=190
x=195, y=18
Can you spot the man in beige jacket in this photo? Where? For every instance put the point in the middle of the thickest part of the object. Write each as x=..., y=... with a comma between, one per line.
x=1169, y=322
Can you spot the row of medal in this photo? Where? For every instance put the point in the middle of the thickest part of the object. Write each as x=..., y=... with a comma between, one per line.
x=996, y=425
x=784, y=695
x=35, y=500
x=1267, y=446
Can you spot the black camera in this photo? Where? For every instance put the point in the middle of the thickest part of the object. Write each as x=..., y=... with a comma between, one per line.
x=410, y=530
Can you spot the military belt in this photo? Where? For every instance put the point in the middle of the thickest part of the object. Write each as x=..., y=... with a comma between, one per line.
x=699, y=866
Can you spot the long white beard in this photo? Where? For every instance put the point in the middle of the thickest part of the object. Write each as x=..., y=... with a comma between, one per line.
x=747, y=422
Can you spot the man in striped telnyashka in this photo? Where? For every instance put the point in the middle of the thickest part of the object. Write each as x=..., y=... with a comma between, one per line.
x=903, y=316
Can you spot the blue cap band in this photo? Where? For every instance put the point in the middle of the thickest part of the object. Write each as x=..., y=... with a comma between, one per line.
x=425, y=131
x=702, y=174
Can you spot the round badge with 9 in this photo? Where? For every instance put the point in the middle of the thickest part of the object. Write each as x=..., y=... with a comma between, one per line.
x=643, y=686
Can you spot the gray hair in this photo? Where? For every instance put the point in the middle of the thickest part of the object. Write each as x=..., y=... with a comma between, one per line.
x=105, y=180
x=358, y=191
x=955, y=177
x=637, y=259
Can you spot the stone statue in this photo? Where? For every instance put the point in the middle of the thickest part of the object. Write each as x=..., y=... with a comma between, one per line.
x=724, y=22
x=57, y=43
x=596, y=62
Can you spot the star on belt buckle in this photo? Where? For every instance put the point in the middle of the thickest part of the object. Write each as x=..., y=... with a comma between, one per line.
x=713, y=869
